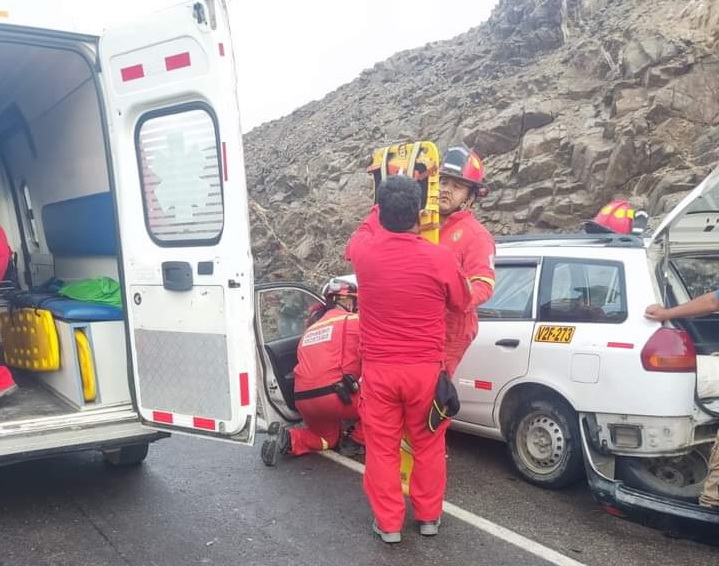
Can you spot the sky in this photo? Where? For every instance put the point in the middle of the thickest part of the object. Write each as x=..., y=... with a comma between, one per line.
x=290, y=52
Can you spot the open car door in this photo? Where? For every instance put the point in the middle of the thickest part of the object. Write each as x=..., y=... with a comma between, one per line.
x=284, y=311
x=170, y=91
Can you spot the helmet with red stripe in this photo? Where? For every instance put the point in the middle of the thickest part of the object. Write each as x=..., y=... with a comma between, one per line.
x=463, y=164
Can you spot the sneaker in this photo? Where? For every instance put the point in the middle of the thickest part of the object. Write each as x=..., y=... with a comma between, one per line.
x=278, y=442
x=7, y=383
x=429, y=528
x=389, y=538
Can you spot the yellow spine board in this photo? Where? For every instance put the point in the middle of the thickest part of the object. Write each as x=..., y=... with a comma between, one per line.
x=406, y=463
x=30, y=340
x=86, y=365
x=419, y=160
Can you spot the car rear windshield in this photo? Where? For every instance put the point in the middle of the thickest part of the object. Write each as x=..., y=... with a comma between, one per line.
x=699, y=274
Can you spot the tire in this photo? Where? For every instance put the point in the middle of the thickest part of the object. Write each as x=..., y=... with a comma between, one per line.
x=679, y=477
x=130, y=455
x=544, y=443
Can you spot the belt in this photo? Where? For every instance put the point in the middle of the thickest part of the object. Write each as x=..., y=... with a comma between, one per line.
x=319, y=392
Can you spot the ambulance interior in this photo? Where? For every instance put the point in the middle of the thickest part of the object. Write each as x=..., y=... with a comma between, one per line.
x=66, y=356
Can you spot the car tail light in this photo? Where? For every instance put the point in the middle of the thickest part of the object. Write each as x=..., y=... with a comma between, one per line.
x=669, y=349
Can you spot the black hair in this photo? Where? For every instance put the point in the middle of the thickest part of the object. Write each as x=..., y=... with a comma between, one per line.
x=398, y=197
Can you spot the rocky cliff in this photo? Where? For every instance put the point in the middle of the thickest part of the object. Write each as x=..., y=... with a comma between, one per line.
x=570, y=102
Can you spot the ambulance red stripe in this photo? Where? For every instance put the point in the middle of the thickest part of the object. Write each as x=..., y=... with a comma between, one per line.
x=132, y=73
x=244, y=389
x=177, y=61
x=224, y=160
x=206, y=424
x=162, y=417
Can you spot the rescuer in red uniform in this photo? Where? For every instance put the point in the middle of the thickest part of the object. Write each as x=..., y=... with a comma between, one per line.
x=326, y=380
x=405, y=286
x=460, y=178
x=7, y=383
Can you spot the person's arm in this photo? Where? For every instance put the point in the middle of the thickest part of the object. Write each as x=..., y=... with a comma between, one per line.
x=478, y=265
x=364, y=231
x=699, y=306
x=458, y=287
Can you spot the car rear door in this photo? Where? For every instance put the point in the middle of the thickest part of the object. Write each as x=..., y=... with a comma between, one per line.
x=170, y=93
x=500, y=352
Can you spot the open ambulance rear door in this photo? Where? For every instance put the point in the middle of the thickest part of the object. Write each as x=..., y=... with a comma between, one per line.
x=170, y=90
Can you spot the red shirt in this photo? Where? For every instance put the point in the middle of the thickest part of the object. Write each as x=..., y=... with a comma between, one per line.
x=405, y=286
x=328, y=349
x=473, y=246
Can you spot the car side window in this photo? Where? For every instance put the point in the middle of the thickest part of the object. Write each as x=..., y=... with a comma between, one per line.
x=582, y=290
x=284, y=312
x=513, y=293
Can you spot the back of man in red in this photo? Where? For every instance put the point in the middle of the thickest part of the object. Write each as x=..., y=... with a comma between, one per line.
x=406, y=284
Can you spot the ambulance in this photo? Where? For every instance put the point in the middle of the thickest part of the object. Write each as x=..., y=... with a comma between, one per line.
x=121, y=159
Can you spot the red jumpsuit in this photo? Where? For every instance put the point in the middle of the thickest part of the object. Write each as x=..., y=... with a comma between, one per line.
x=405, y=285
x=328, y=349
x=473, y=246
x=7, y=383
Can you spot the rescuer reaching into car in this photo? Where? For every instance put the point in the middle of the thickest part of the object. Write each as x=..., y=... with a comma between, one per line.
x=406, y=285
x=460, y=177
x=326, y=381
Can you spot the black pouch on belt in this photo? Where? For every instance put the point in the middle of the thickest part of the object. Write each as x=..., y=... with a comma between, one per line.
x=445, y=403
x=343, y=393
x=350, y=382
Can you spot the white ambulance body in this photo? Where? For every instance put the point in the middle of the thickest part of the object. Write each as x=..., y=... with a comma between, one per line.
x=121, y=157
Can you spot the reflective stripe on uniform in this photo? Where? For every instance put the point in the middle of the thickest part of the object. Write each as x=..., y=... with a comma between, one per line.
x=487, y=280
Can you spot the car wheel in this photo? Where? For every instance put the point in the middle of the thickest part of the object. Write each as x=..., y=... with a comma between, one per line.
x=544, y=443
x=679, y=477
x=130, y=455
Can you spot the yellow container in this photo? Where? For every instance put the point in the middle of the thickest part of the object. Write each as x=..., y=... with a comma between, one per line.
x=30, y=340
x=86, y=364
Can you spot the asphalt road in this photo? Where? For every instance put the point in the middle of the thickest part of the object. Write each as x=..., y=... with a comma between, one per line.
x=202, y=502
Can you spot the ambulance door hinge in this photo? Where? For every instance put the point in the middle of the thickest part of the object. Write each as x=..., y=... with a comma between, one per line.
x=232, y=284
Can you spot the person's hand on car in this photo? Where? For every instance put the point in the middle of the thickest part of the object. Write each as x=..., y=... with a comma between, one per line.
x=656, y=312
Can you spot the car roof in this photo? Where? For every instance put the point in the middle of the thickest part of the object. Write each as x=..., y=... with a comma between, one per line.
x=580, y=240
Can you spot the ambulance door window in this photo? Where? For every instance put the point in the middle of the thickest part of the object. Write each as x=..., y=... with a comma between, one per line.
x=30, y=215
x=178, y=154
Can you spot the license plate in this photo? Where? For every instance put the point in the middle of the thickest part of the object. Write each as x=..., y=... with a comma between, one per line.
x=556, y=334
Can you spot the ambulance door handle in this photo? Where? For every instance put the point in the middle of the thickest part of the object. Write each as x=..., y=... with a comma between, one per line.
x=176, y=275
x=507, y=342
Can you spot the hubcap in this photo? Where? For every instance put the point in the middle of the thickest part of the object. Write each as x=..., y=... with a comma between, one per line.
x=541, y=443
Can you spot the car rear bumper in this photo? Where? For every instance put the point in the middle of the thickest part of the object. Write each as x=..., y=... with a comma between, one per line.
x=677, y=518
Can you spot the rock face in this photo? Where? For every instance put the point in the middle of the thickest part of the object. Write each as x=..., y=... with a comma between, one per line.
x=571, y=103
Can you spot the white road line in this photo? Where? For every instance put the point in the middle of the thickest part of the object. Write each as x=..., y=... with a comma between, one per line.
x=478, y=522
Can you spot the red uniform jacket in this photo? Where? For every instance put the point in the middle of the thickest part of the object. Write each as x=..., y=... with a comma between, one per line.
x=405, y=286
x=473, y=246
x=5, y=253
x=328, y=348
